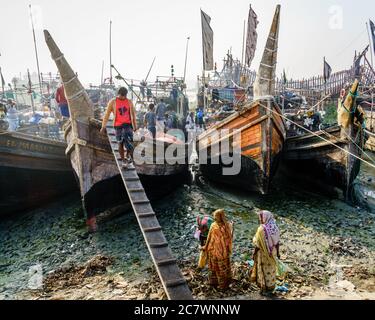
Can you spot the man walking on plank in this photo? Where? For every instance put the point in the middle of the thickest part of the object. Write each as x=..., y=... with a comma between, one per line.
x=124, y=122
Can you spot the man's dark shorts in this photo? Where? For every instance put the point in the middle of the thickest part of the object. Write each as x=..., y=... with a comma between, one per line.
x=153, y=131
x=124, y=134
x=64, y=110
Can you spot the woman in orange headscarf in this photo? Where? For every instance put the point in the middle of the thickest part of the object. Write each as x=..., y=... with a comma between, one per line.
x=219, y=250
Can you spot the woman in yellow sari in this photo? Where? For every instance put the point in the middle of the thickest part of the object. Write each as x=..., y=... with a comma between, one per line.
x=219, y=250
x=266, y=242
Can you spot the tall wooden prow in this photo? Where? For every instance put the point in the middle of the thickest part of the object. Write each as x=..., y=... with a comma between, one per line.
x=83, y=157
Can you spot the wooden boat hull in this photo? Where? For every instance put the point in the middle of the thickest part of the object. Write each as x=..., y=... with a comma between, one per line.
x=33, y=171
x=105, y=189
x=310, y=156
x=370, y=125
x=262, y=138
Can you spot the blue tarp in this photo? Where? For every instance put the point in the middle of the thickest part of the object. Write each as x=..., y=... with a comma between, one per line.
x=226, y=94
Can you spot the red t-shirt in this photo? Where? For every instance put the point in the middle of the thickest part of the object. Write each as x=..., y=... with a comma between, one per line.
x=60, y=96
x=122, y=112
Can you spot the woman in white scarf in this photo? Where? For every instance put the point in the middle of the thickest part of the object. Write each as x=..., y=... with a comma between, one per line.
x=266, y=242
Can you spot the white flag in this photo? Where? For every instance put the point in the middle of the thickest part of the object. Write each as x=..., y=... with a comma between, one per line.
x=207, y=42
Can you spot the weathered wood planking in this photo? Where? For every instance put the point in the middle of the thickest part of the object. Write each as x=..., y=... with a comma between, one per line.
x=262, y=139
x=33, y=170
x=321, y=160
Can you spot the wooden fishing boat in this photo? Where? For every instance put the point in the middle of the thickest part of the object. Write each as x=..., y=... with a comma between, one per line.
x=370, y=144
x=330, y=158
x=370, y=122
x=92, y=158
x=262, y=131
x=33, y=170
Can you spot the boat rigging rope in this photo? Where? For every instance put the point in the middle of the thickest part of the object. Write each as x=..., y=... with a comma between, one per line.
x=359, y=147
x=320, y=137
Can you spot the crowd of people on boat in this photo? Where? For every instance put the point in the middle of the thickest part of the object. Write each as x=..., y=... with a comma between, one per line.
x=155, y=120
x=216, y=235
x=302, y=120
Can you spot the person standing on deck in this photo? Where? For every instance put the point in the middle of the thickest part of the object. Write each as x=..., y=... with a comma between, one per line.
x=168, y=122
x=200, y=118
x=3, y=111
x=4, y=125
x=160, y=115
x=219, y=250
x=142, y=88
x=190, y=126
x=62, y=102
x=266, y=242
x=148, y=94
x=12, y=116
x=124, y=122
x=150, y=120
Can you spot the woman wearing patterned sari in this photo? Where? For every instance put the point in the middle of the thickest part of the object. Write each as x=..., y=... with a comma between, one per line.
x=219, y=249
x=266, y=242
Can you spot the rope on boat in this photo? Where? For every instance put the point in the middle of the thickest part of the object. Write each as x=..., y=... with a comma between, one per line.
x=320, y=137
x=372, y=134
x=359, y=147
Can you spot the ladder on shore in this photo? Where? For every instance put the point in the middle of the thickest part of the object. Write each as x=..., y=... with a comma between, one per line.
x=174, y=283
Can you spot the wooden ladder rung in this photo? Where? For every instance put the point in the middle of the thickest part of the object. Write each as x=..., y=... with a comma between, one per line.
x=141, y=201
x=146, y=215
x=166, y=262
x=152, y=229
x=130, y=168
x=132, y=179
x=159, y=245
x=136, y=190
x=175, y=283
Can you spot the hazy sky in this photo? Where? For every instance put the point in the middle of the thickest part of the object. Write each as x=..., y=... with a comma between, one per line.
x=143, y=29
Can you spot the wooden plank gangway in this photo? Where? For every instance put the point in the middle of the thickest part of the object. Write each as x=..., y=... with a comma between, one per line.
x=174, y=283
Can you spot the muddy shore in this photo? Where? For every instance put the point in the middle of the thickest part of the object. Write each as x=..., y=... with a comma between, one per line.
x=328, y=245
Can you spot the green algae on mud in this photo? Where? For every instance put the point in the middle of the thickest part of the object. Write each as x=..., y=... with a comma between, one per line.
x=55, y=236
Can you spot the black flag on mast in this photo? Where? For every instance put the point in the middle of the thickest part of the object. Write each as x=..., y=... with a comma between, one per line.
x=285, y=80
x=327, y=70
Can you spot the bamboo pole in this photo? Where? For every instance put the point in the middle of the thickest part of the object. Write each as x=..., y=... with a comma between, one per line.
x=36, y=52
x=110, y=53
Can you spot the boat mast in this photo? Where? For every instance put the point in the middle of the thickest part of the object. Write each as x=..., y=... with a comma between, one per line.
x=31, y=91
x=110, y=52
x=370, y=42
x=243, y=43
x=101, y=79
x=36, y=52
x=152, y=64
x=186, y=55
